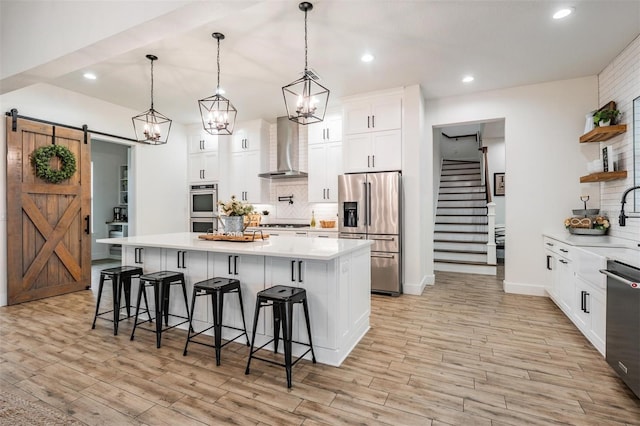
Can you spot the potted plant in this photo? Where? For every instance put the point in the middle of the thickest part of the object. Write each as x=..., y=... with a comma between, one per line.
x=605, y=117
x=233, y=214
x=265, y=216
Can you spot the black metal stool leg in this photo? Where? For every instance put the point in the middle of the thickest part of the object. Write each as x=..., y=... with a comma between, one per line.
x=115, y=285
x=98, y=301
x=217, y=302
x=277, y=321
x=253, y=334
x=186, y=303
x=306, y=318
x=166, y=292
x=193, y=308
x=126, y=286
x=159, y=288
x=244, y=324
x=135, y=320
x=286, y=310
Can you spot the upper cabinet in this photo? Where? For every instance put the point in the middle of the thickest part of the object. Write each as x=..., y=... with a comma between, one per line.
x=204, y=165
x=248, y=156
x=372, y=139
x=325, y=159
x=373, y=115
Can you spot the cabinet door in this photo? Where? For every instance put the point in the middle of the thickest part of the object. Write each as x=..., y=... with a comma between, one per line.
x=253, y=185
x=316, y=133
x=211, y=165
x=196, y=168
x=386, y=151
x=386, y=113
x=250, y=271
x=333, y=128
x=203, y=142
x=333, y=168
x=356, y=151
x=357, y=118
x=564, y=284
x=317, y=165
x=598, y=311
x=237, y=172
x=239, y=140
x=581, y=315
x=550, y=266
x=194, y=266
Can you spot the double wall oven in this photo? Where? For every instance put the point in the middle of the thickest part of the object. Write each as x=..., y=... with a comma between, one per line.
x=203, y=204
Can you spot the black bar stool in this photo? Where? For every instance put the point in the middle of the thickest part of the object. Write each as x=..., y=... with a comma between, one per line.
x=282, y=298
x=217, y=288
x=161, y=283
x=120, y=278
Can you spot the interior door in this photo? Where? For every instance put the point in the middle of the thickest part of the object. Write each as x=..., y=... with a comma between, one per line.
x=48, y=236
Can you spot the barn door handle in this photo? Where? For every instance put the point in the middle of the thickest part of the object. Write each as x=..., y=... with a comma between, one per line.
x=87, y=229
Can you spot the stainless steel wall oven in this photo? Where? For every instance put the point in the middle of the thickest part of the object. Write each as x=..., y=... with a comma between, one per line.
x=203, y=200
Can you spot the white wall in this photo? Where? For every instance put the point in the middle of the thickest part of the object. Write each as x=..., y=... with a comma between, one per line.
x=106, y=158
x=543, y=162
x=620, y=82
x=160, y=195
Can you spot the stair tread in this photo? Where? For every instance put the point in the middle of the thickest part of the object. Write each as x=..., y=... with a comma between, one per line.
x=484, y=243
x=462, y=262
x=462, y=232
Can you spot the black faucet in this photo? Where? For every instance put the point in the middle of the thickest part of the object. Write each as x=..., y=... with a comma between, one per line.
x=622, y=219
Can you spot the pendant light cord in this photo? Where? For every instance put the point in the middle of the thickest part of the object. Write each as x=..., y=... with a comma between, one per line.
x=305, y=42
x=151, y=84
x=218, y=62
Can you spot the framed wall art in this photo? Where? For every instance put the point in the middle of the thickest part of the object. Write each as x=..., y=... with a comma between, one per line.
x=498, y=184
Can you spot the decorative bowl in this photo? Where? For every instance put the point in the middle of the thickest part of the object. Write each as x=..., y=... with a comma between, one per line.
x=327, y=223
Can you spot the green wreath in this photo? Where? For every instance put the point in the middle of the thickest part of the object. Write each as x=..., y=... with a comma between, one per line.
x=41, y=159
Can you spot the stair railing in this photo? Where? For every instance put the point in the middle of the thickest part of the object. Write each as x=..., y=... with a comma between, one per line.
x=491, y=211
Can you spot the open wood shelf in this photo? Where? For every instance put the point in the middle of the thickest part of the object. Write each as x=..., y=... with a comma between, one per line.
x=601, y=134
x=604, y=176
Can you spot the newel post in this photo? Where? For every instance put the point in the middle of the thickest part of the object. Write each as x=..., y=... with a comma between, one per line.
x=491, y=242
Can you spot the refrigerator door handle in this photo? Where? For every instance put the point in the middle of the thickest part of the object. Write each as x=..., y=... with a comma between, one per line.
x=369, y=207
x=382, y=238
x=388, y=256
x=366, y=204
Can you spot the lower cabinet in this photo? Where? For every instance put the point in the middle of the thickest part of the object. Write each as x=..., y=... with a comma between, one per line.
x=195, y=267
x=575, y=284
x=314, y=276
x=250, y=271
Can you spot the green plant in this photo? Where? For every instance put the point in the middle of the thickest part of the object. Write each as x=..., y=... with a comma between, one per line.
x=606, y=115
x=41, y=160
x=234, y=207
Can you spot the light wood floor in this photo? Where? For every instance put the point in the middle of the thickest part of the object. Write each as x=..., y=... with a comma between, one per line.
x=462, y=353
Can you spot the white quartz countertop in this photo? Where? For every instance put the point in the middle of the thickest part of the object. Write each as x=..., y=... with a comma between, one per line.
x=289, y=228
x=303, y=248
x=620, y=249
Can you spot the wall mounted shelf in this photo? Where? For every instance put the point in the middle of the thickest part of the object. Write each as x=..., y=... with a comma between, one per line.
x=604, y=176
x=601, y=134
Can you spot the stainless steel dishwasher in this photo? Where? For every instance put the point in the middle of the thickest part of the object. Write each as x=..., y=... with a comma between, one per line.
x=623, y=322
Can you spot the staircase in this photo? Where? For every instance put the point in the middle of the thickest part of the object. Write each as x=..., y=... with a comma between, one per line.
x=461, y=227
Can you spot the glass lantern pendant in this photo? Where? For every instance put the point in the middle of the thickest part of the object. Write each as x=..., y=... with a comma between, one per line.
x=151, y=127
x=306, y=99
x=217, y=112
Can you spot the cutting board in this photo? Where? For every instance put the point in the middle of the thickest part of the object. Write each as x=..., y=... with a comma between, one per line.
x=246, y=238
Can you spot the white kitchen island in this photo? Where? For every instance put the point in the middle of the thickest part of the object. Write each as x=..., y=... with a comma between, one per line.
x=336, y=273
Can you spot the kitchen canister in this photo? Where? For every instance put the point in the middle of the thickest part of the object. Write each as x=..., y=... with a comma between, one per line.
x=233, y=224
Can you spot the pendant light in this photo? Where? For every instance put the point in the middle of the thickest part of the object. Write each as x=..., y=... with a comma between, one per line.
x=217, y=113
x=306, y=99
x=151, y=127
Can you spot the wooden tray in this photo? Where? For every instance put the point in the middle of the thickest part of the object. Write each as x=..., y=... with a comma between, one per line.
x=246, y=238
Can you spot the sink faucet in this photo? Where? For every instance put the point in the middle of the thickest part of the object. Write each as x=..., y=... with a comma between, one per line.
x=622, y=219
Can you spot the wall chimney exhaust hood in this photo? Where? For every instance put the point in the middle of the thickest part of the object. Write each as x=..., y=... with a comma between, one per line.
x=287, y=152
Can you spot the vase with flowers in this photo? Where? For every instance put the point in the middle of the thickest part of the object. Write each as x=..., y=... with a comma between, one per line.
x=233, y=213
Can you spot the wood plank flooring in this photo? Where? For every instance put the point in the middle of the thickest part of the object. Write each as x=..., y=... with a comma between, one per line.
x=462, y=353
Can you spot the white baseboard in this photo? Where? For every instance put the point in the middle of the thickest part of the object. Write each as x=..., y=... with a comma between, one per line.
x=522, y=288
x=416, y=289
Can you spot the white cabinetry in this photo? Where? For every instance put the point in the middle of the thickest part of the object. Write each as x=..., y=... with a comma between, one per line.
x=575, y=284
x=314, y=277
x=328, y=130
x=325, y=164
x=373, y=134
x=250, y=271
x=195, y=267
x=322, y=234
x=204, y=160
x=248, y=158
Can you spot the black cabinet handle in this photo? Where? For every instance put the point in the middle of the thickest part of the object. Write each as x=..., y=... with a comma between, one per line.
x=328, y=196
x=138, y=255
x=299, y=271
x=586, y=309
x=563, y=261
x=550, y=244
x=327, y=133
x=373, y=121
x=549, y=263
x=87, y=229
x=582, y=301
x=293, y=277
x=324, y=193
x=178, y=258
x=564, y=250
x=368, y=122
x=323, y=132
x=368, y=161
x=184, y=265
x=235, y=265
x=229, y=261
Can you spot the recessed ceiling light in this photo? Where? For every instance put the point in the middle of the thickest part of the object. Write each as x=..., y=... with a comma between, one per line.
x=89, y=76
x=562, y=13
x=467, y=79
x=367, y=57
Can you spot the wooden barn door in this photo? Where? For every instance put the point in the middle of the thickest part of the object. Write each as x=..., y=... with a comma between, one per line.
x=48, y=236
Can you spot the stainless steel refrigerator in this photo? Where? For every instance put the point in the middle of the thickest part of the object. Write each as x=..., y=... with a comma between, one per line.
x=370, y=207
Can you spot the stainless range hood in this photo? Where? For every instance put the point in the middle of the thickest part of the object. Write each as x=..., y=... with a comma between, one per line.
x=287, y=152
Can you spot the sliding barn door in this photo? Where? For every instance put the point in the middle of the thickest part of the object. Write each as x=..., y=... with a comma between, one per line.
x=48, y=237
